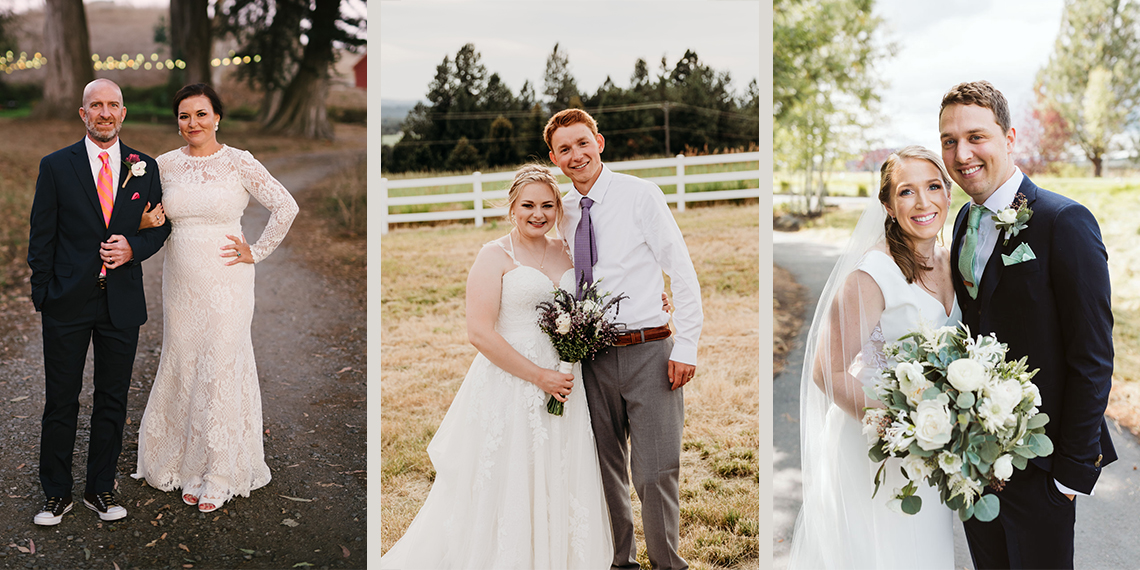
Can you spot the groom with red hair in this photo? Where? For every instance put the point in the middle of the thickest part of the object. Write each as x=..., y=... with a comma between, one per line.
x=621, y=230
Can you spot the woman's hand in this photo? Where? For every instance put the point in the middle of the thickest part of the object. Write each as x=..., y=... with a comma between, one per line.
x=555, y=383
x=239, y=250
x=152, y=218
x=666, y=306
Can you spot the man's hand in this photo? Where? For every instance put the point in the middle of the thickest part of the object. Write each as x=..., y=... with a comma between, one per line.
x=680, y=373
x=115, y=251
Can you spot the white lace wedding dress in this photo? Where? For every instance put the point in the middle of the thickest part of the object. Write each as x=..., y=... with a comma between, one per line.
x=840, y=525
x=202, y=429
x=515, y=487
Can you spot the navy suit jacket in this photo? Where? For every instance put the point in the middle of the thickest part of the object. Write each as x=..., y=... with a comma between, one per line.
x=1056, y=310
x=67, y=229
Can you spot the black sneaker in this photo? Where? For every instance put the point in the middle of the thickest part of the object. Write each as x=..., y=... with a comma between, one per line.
x=53, y=511
x=104, y=503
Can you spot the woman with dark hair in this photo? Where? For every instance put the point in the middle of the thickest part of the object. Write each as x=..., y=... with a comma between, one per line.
x=202, y=430
x=893, y=277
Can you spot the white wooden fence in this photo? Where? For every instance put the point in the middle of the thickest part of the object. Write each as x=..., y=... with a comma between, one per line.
x=481, y=212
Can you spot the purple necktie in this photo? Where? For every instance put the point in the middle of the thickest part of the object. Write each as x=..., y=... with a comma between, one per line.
x=585, y=248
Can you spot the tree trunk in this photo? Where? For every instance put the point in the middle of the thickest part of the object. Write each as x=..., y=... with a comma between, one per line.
x=1097, y=162
x=302, y=110
x=190, y=41
x=68, y=51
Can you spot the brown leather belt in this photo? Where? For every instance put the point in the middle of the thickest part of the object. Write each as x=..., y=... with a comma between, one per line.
x=643, y=335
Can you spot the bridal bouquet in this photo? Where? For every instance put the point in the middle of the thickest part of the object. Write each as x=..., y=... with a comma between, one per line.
x=577, y=327
x=958, y=414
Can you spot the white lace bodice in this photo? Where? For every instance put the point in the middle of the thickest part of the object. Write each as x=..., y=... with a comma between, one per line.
x=208, y=194
x=907, y=305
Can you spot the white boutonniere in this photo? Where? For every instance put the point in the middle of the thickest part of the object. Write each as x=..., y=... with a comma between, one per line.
x=137, y=166
x=1013, y=218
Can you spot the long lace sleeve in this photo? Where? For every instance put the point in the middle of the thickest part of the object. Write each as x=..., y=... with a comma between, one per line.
x=269, y=193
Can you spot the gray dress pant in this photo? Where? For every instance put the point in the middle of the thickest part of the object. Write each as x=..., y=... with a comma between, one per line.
x=637, y=423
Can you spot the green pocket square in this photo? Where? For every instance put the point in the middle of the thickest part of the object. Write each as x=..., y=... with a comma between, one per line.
x=1020, y=254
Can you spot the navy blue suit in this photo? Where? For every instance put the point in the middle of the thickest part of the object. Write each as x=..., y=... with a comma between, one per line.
x=67, y=229
x=1056, y=310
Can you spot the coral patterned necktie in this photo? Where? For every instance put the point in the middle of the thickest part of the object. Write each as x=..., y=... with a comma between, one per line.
x=105, y=187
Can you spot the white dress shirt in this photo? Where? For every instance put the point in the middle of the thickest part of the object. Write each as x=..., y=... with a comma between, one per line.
x=637, y=238
x=988, y=235
x=114, y=161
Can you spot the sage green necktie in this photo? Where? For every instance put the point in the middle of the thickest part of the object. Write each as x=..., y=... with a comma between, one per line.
x=969, y=247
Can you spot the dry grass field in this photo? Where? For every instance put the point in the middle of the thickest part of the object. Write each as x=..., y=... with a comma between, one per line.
x=425, y=355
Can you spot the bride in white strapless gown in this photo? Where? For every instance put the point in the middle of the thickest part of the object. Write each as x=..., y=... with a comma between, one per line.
x=515, y=487
x=892, y=278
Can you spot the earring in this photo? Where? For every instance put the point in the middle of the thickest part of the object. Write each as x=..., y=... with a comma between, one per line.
x=216, y=126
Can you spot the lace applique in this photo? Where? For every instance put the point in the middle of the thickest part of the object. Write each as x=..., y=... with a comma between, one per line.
x=202, y=428
x=873, y=350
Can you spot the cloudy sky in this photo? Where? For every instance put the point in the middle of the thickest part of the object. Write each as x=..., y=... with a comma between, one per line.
x=1002, y=41
x=600, y=38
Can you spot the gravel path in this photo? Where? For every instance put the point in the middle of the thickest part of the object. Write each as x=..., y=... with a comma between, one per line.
x=309, y=336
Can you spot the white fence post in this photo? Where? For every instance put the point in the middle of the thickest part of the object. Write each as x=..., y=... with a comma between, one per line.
x=383, y=206
x=477, y=185
x=680, y=183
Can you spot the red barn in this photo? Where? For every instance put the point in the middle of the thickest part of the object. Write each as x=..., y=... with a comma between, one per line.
x=361, y=71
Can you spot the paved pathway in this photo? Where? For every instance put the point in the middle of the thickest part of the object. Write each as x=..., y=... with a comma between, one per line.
x=1107, y=524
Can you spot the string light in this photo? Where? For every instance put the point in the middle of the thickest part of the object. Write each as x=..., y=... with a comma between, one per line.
x=10, y=62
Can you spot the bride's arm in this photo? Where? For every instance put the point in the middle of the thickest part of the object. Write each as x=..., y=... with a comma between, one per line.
x=484, y=288
x=853, y=316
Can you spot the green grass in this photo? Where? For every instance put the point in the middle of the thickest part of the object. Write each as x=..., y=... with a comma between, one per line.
x=426, y=355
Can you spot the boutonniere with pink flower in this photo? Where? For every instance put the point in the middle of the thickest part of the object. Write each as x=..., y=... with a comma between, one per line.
x=137, y=166
x=1013, y=218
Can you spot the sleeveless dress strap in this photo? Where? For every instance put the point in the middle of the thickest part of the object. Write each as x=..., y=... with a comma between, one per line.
x=511, y=251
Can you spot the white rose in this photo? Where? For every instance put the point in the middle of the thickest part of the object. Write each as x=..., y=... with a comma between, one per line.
x=1007, y=216
x=138, y=168
x=563, y=323
x=1003, y=467
x=932, y=423
x=966, y=374
x=911, y=381
x=589, y=306
x=916, y=467
x=950, y=463
x=1031, y=389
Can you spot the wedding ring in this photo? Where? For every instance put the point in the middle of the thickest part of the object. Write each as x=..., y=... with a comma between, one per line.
x=239, y=254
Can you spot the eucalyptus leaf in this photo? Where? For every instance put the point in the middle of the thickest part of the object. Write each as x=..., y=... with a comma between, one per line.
x=877, y=454
x=870, y=393
x=1040, y=444
x=914, y=449
x=965, y=513
x=986, y=508
x=931, y=393
x=1037, y=421
x=989, y=451
x=912, y=504
x=1020, y=462
x=966, y=400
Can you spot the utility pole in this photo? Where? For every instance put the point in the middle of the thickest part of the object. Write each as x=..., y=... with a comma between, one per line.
x=665, y=107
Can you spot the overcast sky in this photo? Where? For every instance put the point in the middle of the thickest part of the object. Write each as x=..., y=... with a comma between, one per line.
x=600, y=38
x=939, y=45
